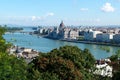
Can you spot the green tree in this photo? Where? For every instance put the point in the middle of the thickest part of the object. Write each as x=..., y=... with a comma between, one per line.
x=62, y=69
x=66, y=63
x=116, y=66
x=116, y=75
x=82, y=59
x=116, y=56
x=12, y=68
x=3, y=44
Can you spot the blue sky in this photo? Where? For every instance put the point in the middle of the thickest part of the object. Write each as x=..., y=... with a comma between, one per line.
x=51, y=12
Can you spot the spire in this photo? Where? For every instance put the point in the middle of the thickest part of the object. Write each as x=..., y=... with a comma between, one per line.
x=61, y=24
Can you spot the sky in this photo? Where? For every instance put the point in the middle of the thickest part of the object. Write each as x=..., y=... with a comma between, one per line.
x=52, y=12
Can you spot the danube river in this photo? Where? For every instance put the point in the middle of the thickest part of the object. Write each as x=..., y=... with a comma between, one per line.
x=45, y=45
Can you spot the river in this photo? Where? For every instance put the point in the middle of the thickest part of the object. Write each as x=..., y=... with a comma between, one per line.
x=45, y=45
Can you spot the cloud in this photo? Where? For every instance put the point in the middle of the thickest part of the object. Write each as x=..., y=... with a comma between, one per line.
x=42, y=17
x=108, y=8
x=84, y=9
x=34, y=18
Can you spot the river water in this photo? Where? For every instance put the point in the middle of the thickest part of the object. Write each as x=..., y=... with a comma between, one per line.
x=45, y=45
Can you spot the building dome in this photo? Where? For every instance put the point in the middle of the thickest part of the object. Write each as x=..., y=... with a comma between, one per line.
x=61, y=25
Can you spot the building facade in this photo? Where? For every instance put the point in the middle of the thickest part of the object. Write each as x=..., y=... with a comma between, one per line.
x=104, y=37
x=116, y=38
x=63, y=32
x=91, y=35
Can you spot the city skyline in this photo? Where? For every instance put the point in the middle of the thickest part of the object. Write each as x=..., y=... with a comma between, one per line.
x=72, y=12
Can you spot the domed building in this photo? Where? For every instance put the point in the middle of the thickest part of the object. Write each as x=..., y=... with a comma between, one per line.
x=61, y=26
x=63, y=32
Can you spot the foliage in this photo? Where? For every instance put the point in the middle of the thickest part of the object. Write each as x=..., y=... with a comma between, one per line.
x=3, y=45
x=12, y=68
x=116, y=59
x=116, y=56
x=13, y=29
x=99, y=77
x=63, y=69
x=65, y=63
x=116, y=75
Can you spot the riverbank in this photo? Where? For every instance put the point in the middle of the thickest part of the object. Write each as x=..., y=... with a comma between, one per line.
x=89, y=42
x=85, y=42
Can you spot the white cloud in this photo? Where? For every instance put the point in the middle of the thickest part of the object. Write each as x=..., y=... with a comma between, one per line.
x=84, y=9
x=29, y=18
x=108, y=8
x=42, y=17
x=34, y=18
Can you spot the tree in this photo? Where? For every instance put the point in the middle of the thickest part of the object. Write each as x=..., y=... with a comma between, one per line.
x=66, y=63
x=116, y=75
x=62, y=69
x=3, y=43
x=116, y=65
x=116, y=56
x=82, y=59
x=12, y=68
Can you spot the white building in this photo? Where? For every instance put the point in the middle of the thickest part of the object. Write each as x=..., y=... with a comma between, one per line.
x=29, y=53
x=103, y=70
x=66, y=33
x=41, y=30
x=116, y=38
x=73, y=34
x=91, y=35
x=104, y=37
